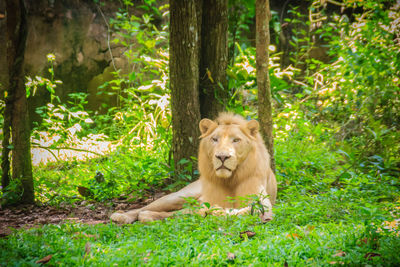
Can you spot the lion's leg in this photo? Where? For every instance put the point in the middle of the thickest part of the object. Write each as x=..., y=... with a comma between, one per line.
x=170, y=202
x=149, y=216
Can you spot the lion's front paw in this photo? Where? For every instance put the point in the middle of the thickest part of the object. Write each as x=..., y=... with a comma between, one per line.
x=119, y=217
x=215, y=210
x=239, y=211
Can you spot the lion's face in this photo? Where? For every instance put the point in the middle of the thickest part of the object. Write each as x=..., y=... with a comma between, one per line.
x=227, y=146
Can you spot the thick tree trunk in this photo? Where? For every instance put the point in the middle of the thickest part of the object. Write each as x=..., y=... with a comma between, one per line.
x=214, y=58
x=21, y=154
x=184, y=78
x=263, y=83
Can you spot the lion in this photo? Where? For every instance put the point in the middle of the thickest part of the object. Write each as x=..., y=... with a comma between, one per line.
x=233, y=163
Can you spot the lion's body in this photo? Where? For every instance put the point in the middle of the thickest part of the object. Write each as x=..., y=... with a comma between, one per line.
x=233, y=162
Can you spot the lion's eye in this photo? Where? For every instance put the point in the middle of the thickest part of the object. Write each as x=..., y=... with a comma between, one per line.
x=236, y=140
x=214, y=139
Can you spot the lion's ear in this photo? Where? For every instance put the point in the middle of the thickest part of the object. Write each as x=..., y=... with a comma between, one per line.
x=253, y=127
x=206, y=126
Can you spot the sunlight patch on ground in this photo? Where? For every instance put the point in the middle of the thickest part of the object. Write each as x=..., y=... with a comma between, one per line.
x=43, y=150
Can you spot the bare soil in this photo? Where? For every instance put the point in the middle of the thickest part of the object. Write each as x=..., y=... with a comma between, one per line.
x=28, y=216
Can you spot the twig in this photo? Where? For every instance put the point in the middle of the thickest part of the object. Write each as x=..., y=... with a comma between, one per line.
x=66, y=148
x=336, y=3
x=48, y=149
x=108, y=37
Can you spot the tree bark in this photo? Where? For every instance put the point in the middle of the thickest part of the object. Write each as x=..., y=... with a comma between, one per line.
x=21, y=154
x=185, y=20
x=5, y=161
x=214, y=58
x=263, y=83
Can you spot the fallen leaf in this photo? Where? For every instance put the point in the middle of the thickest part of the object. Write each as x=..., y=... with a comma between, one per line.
x=84, y=191
x=231, y=256
x=293, y=236
x=340, y=254
x=309, y=229
x=45, y=259
x=249, y=234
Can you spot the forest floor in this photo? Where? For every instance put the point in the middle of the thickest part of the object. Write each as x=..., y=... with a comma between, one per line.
x=28, y=216
x=87, y=212
x=334, y=227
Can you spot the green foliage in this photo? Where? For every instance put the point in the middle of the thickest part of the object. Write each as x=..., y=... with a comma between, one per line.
x=61, y=123
x=355, y=95
x=241, y=17
x=12, y=194
x=365, y=78
x=123, y=174
x=143, y=114
x=32, y=85
x=242, y=80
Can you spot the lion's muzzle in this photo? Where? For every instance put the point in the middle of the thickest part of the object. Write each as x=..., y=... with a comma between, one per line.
x=224, y=164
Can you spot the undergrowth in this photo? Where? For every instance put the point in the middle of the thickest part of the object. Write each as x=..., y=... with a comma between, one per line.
x=338, y=225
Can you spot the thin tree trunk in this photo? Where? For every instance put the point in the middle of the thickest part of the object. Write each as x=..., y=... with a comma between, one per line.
x=21, y=154
x=263, y=82
x=185, y=19
x=214, y=58
x=5, y=161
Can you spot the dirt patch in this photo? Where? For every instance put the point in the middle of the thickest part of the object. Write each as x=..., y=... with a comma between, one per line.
x=28, y=216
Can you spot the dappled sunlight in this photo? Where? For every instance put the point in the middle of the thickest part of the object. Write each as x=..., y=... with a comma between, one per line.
x=94, y=145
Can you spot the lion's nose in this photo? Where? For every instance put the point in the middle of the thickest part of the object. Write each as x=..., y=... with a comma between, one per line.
x=222, y=158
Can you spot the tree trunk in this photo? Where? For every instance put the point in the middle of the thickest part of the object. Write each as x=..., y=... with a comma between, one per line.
x=264, y=88
x=5, y=161
x=214, y=58
x=184, y=78
x=21, y=154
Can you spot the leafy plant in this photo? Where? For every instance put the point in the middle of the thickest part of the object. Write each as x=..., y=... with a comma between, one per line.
x=12, y=193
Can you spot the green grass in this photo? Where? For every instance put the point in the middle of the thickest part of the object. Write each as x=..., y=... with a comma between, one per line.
x=315, y=223
x=307, y=230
